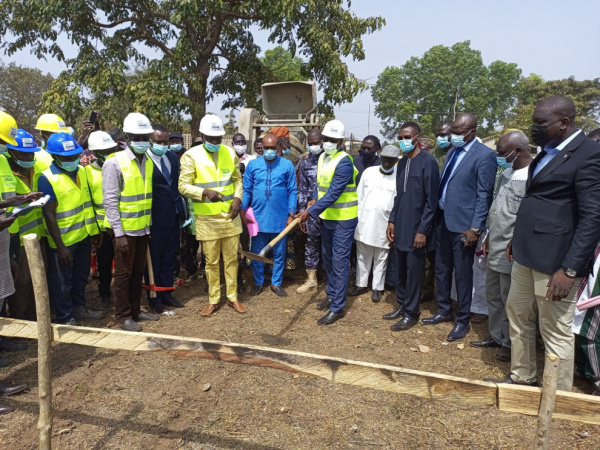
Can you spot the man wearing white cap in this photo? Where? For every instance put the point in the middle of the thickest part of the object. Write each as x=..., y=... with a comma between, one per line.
x=337, y=206
x=210, y=176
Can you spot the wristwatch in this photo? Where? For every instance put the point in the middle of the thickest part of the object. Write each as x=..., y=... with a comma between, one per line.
x=569, y=272
x=477, y=231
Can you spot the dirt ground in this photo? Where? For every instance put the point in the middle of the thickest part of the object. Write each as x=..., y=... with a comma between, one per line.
x=122, y=400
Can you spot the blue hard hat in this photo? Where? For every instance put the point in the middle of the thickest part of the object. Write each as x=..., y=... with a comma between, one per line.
x=25, y=142
x=63, y=144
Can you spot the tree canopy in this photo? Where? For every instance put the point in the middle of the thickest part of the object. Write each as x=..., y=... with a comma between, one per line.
x=191, y=50
x=442, y=83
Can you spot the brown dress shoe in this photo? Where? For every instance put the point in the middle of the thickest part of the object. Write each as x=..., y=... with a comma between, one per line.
x=5, y=409
x=11, y=389
x=209, y=310
x=237, y=305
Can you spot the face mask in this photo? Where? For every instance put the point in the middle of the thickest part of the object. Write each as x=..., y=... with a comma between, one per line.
x=140, y=147
x=458, y=140
x=539, y=135
x=159, y=150
x=286, y=151
x=25, y=164
x=406, y=145
x=240, y=149
x=3, y=149
x=443, y=142
x=369, y=156
x=69, y=166
x=387, y=171
x=176, y=147
x=501, y=160
x=211, y=147
x=315, y=149
x=270, y=154
x=329, y=147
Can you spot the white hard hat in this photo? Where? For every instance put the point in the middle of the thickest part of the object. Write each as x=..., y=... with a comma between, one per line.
x=137, y=123
x=100, y=140
x=334, y=129
x=211, y=125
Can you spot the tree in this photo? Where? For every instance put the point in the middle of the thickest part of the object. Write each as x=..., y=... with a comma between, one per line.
x=531, y=90
x=442, y=83
x=21, y=90
x=192, y=50
x=282, y=65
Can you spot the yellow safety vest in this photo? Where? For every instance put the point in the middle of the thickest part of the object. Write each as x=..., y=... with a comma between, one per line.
x=135, y=203
x=33, y=221
x=44, y=158
x=74, y=212
x=216, y=178
x=8, y=181
x=94, y=177
x=346, y=206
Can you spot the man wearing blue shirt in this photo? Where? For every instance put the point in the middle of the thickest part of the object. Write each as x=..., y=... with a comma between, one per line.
x=270, y=187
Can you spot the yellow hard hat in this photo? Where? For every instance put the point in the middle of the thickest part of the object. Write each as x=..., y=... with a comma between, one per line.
x=51, y=123
x=8, y=128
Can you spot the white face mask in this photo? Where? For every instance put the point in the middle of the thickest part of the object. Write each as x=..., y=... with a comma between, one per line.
x=315, y=149
x=329, y=147
x=240, y=149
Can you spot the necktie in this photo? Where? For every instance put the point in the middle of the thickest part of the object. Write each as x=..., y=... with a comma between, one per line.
x=449, y=169
x=165, y=170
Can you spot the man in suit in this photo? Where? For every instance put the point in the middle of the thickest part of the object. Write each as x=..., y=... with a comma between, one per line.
x=466, y=189
x=168, y=210
x=556, y=233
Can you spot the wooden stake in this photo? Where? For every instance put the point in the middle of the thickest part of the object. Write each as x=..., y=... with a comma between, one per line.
x=150, y=272
x=547, y=403
x=44, y=331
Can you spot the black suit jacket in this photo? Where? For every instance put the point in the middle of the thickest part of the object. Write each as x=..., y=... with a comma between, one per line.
x=558, y=223
x=168, y=206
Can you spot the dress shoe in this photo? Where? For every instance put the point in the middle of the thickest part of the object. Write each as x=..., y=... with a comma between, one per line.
x=256, y=290
x=7, y=390
x=395, y=314
x=104, y=302
x=376, y=296
x=237, y=305
x=325, y=304
x=81, y=313
x=404, y=324
x=170, y=301
x=437, y=318
x=357, y=291
x=8, y=345
x=458, y=332
x=478, y=318
x=209, y=310
x=331, y=317
x=508, y=380
x=488, y=342
x=279, y=291
x=503, y=354
x=143, y=316
x=5, y=362
x=130, y=325
x=157, y=306
x=5, y=409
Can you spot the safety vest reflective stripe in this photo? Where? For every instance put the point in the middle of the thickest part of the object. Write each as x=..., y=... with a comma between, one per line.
x=347, y=189
x=72, y=212
x=7, y=195
x=214, y=184
x=136, y=214
x=135, y=198
x=224, y=198
x=218, y=178
x=31, y=225
x=346, y=205
x=75, y=226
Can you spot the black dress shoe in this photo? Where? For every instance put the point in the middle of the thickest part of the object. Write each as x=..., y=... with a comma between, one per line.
x=376, y=296
x=279, y=291
x=130, y=325
x=325, y=304
x=7, y=390
x=395, y=314
x=488, y=342
x=170, y=301
x=404, y=324
x=143, y=316
x=508, y=380
x=503, y=354
x=437, y=318
x=331, y=317
x=459, y=331
x=357, y=291
x=256, y=290
x=5, y=409
x=156, y=306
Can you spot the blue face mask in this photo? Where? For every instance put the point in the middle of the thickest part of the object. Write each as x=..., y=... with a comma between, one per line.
x=176, y=147
x=140, y=147
x=270, y=154
x=387, y=171
x=25, y=164
x=159, y=150
x=3, y=149
x=501, y=160
x=458, y=141
x=443, y=142
x=211, y=147
x=286, y=151
x=406, y=145
x=69, y=166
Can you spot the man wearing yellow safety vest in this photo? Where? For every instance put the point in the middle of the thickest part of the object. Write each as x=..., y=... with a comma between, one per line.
x=26, y=168
x=70, y=228
x=337, y=206
x=127, y=189
x=210, y=176
x=47, y=125
x=102, y=145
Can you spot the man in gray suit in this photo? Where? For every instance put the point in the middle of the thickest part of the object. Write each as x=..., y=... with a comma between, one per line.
x=466, y=190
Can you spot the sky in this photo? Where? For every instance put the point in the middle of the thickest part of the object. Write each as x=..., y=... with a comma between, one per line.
x=554, y=39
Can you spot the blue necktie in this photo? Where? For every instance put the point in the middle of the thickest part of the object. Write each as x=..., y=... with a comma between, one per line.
x=165, y=170
x=449, y=169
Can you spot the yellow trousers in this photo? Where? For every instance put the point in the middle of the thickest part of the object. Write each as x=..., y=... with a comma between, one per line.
x=212, y=251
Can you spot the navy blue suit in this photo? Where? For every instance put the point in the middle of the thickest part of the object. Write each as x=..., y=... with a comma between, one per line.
x=469, y=192
x=168, y=209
